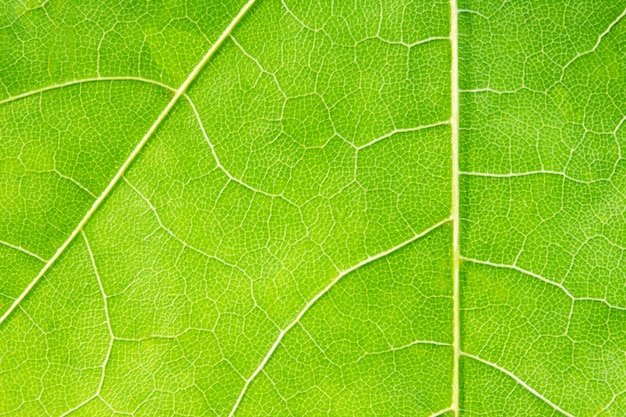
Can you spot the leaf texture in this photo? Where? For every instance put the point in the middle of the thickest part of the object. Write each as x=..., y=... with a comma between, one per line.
x=312, y=208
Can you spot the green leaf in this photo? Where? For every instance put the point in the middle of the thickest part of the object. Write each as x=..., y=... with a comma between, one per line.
x=312, y=208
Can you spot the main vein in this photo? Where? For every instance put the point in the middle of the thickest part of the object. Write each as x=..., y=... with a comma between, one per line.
x=456, y=255
x=120, y=173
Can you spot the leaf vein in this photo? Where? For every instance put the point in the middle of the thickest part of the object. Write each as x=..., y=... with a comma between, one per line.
x=120, y=173
x=319, y=295
x=519, y=381
x=223, y=168
x=21, y=249
x=546, y=280
x=84, y=81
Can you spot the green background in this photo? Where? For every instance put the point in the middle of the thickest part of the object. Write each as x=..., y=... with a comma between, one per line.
x=282, y=244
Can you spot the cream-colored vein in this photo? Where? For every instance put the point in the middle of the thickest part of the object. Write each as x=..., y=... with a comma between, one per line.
x=21, y=249
x=456, y=251
x=84, y=81
x=519, y=381
x=179, y=93
x=223, y=168
x=319, y=295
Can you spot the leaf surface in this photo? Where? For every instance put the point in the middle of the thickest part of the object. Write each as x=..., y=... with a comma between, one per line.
x=312, y=208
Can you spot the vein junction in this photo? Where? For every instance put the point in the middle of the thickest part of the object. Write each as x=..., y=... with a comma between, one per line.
x=179, y=93
x=241, y=179
x=312, y=302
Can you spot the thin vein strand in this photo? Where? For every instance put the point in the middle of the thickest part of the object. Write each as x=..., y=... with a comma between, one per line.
x=546, y=280
x=21, y=249
x=312, y=302
x=598, y=41
x=441, y=412
x=120, y=173
x=405, y=130
x=393, y=349
x=531, y=173
x=519, y=381
x=85, y=81
x=110, y=348
x=106, y=310
x=174, y=236
x=223, y=168
x=75, y=182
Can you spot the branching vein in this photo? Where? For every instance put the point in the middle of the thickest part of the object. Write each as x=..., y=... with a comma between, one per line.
x=519, y=381
x=312, y=302
x=21, y=249
x=546, y=280
x=120, y=173
x=405, y=130
x=223, y=169
x=85, y=81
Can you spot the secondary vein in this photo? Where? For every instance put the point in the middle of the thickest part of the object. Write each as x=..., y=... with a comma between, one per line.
x=120, y=173
x=519, y=381
x=21, y=249
x=85, y=81
x=319, y=295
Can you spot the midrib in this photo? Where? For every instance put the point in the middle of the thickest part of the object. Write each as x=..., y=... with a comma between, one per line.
x=454, y=125
x=120, y=173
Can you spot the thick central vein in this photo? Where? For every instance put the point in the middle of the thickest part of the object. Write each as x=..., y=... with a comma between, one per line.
x=120, y=173
x=456, y=255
